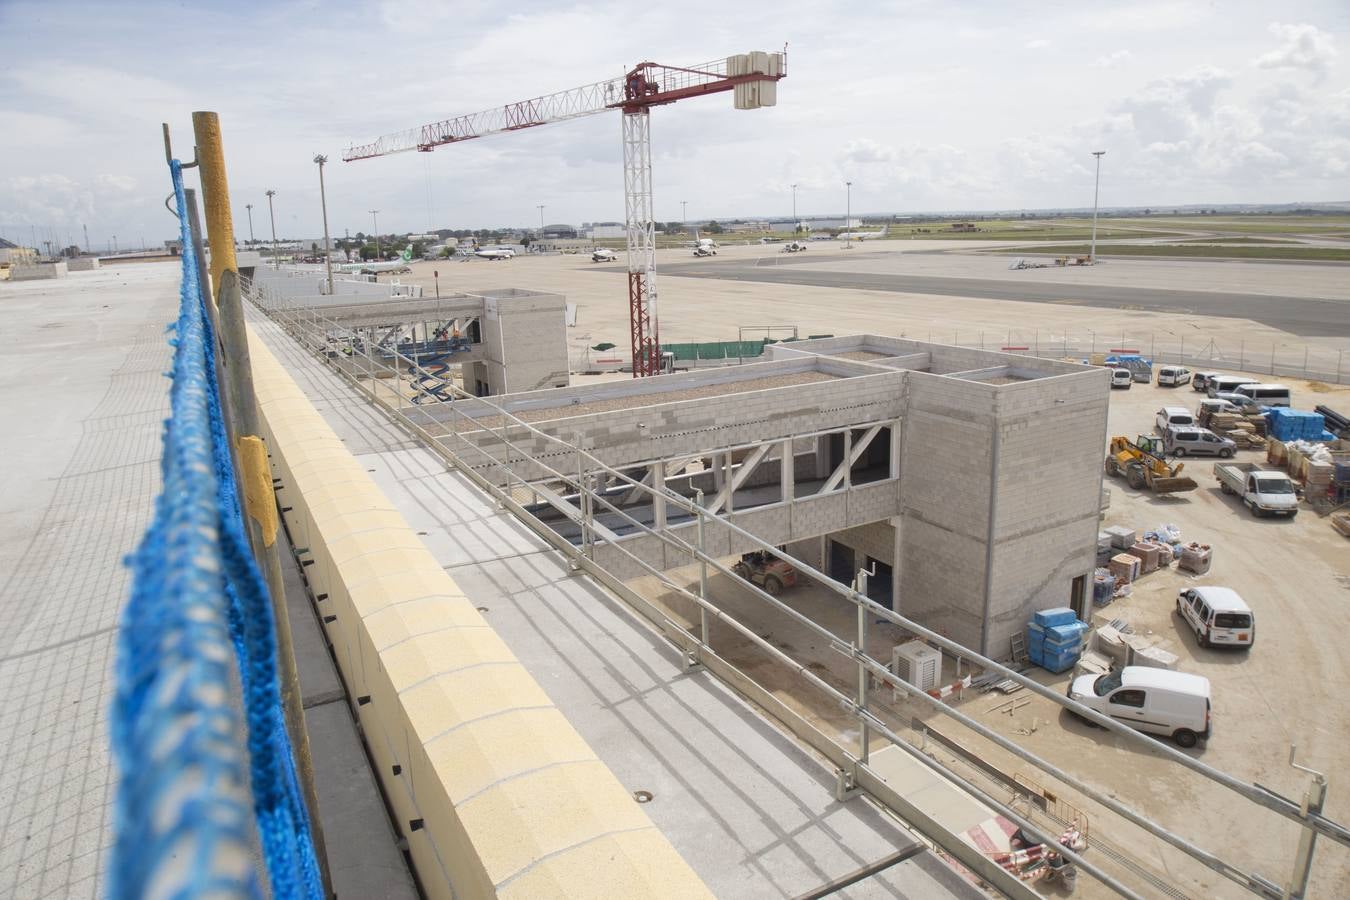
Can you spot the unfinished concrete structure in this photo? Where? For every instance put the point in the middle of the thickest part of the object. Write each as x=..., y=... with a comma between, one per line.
x=503, y=340
x=967, y=482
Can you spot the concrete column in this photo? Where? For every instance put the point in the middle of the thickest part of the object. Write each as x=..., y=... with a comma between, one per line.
x=895, y=565
x=822, y=456
x=848, y=452
x=787, y=475
x=658, y=500
x=719, y=471
x=727, y=475
x=895, y=451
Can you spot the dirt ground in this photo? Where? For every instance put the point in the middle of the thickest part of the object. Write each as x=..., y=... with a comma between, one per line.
x=1285, y=691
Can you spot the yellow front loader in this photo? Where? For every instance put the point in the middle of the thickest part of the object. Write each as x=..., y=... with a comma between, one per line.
x=1142, y=464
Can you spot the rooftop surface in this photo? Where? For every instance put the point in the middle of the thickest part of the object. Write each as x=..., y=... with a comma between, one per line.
x=82, y=386
x=753, y=813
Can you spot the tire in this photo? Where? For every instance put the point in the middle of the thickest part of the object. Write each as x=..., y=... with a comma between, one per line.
x=1225, y=488
x=1203, y=640
x=1112, y=467
x=772, y=586
x=1135, y=477
x=1180, y=451
x=1185, y=738
x=1225, y=454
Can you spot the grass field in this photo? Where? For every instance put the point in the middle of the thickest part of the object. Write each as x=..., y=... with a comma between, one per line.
x=1187, y=251
x=1237, y=240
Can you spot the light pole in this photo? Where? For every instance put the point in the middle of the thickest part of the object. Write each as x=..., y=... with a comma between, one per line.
x=541, y=220
x=249, y=207
x=271, y=214
x=376, y=224
x=795, y=223
x=684, y=214
x=848, y=212
x=1096, y=192
x=323, y=200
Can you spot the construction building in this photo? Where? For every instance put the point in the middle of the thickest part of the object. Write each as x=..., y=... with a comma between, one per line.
x=967, y=483
x=499, y=341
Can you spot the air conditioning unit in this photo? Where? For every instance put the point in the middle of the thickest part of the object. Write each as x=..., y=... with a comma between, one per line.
x=918, y=664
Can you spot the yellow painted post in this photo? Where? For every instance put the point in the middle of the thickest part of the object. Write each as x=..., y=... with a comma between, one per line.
x=242, y=423
x=219, y=222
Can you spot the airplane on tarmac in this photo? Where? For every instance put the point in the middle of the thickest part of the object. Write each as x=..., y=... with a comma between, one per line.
x=398, y=264
x=862, y=235
x=604, y=254
x=494, y=253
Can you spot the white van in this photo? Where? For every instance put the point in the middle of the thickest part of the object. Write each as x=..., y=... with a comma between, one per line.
x=1265, y=394
x=1187, y=440
x=1173, y=376
x=1170, y=416
x=1158, y=701
x=1218, y=616
x=1226, y=384
x=1122, y=378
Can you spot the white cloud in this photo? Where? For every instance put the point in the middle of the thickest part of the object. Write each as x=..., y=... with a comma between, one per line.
x=1110, y=60
x=1037, y=44
x=1302, y=46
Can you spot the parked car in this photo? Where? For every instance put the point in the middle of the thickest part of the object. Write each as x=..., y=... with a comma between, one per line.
x=1192, y=441
x=1157, y=701
x=1122, y=378
x=1170, y=416
x=1200, y=381
x=1265, y=394
x=1173, y=376
x=1218, y=616
x=1266, y=492
x=1240, y=402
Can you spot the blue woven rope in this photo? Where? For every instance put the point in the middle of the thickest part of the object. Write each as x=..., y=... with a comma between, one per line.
x=201, y=786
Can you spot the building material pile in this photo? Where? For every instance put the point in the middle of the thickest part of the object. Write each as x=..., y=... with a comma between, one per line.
x=1247, y=431
x=1055, y=638
x=1296, y=424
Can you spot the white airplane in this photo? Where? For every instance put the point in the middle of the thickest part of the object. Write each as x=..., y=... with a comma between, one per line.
x=398, y=264
x=604, y=254
x=494, y=253
x=863, y=235
x=705, y=247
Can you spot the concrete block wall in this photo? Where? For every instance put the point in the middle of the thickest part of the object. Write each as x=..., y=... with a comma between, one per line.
x=945, y=484
x=82, y=264
x=526, y=337
x=1051, y=435
x=876, y=540
x=510, y=800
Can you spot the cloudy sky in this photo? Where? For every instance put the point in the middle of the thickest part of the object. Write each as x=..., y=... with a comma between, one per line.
x=923, y=105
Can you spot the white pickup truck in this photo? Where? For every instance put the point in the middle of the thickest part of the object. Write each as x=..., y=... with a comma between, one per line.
x=1265, y=491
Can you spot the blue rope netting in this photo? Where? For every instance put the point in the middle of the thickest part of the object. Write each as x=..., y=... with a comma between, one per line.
x=207, y=771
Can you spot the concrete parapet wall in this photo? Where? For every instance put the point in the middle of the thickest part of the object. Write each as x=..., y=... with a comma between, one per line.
x=37, y=271
x=494, y=791
x=82, y=264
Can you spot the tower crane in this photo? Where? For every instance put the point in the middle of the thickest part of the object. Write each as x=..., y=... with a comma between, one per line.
x=752, y=76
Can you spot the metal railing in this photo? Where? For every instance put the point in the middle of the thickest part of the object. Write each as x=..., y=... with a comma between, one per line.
x=366, y=371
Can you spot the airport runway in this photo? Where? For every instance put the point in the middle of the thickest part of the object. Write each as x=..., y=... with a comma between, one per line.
x=1304, y=316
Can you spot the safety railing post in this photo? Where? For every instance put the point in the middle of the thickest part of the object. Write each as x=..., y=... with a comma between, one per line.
x=702, y=572
x=864, y=738
x=1313, y=799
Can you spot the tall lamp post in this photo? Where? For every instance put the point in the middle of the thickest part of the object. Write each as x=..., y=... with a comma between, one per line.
x=323, y=200
x=795, y=223
x=848, y=212
x=1096, y=192
x=271, y=213
x=375, y=223
x=684, y=214
x=541, y=220
x=249, y=207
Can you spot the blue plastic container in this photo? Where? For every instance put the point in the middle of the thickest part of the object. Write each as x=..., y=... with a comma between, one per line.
x=1060, y=615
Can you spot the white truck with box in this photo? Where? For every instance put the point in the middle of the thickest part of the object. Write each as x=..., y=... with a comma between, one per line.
x=1266, y=492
